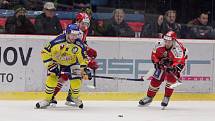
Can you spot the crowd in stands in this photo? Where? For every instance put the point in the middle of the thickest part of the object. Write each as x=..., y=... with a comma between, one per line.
x=48, y=23
x=19, y=23
x=197, y=28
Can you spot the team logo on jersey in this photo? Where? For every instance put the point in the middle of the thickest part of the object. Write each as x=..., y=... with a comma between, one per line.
x=62, y=46
x=64, y=54
x=74, y=50
x=177, y=52
x=79, y=44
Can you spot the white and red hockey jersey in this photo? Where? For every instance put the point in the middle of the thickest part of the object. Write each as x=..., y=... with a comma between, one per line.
x=177, y=53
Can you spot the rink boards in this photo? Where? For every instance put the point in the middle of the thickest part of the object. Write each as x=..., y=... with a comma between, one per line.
x=112, y=96
x=22, y=69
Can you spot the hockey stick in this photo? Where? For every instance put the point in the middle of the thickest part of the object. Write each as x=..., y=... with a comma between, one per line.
x=117, y=78
x=94, y=79
x=178, y=81
x=149, y=74
x=145, y=77
x=111, y=77
x=88, y=86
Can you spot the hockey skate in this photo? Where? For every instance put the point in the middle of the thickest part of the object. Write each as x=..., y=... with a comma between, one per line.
x=165, y=102
x=45, y=103
x=145, y=101
x=76, y=102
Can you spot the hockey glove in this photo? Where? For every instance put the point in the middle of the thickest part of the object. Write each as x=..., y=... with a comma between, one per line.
x=175, y=69
x=92, y=64
x=171, y=69
x=158, y=65
x=91, y=53
x=86, y=74
x=166, y=61
x=54, y=68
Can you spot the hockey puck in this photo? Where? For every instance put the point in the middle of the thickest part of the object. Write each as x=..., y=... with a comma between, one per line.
x=120, y=115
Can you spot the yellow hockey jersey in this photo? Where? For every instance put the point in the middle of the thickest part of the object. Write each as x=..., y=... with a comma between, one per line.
x=61, y=52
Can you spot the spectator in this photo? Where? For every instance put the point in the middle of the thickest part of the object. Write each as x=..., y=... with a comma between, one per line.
x=19, y=23
x=32, y=4
x=9, y=4
x=199, y=28
x=47, y=22
x=169, y=23
x=153, y=29
x=117, y=26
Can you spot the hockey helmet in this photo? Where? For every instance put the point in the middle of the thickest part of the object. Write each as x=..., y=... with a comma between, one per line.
x=83, y=17
x=72, y=28
x=170, y=35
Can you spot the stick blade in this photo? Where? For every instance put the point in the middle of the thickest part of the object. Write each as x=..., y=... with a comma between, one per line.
x=175, y=85
x=149, y=74
x=91, y=87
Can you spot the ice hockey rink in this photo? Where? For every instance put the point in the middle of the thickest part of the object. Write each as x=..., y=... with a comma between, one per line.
x=109, y=111
x=195, y=103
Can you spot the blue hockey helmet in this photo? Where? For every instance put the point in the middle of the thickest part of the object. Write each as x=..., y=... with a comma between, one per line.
x=72, y=28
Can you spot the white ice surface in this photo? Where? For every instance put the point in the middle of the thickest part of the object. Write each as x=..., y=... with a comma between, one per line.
x=109, y=111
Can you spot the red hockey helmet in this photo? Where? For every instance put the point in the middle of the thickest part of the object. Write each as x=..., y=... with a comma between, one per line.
x=82, y=17
x=170, y=35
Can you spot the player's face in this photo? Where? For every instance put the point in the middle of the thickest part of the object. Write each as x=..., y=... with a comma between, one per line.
x=84, y=26
x=168, y=43
x=71, y=37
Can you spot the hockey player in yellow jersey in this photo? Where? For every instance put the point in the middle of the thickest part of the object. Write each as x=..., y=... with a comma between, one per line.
x=64, y=61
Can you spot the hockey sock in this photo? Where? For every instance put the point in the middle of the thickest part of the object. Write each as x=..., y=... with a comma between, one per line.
x=153, y=87
x=168, y=90
x=75, y=85
x=51, y=83
x=63, y=78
